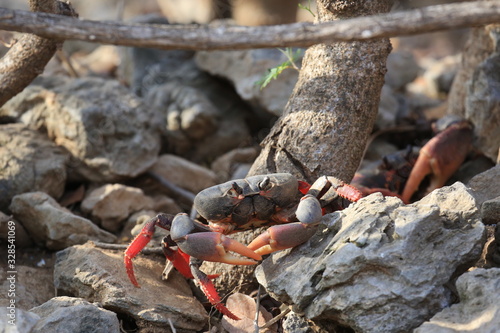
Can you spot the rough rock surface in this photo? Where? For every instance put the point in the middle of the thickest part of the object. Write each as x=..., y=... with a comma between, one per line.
x=24, y=320
x=380, y=266
x=29, y=162
x=490, y=211
x=99, y=276
x=67, y=314
x=486, y=185
x=201, y=116
x=23, y=240
x=34, y=286
x=478, y=309
x=475, y=93
x=109, y=132
x=112, y=204
x=53, y=226
x=234, y=164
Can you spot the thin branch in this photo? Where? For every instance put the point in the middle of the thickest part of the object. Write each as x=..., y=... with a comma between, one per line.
x=211, y=37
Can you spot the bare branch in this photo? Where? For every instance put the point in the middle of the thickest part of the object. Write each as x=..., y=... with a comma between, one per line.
x=196, y=37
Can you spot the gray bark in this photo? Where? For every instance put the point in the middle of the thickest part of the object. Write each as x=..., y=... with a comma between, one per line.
x=195, y=37
x=328, y=118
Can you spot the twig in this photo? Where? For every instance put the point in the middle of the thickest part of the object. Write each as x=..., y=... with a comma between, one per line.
x=172, y=326
x=257, y=308
x=66, y=61
x=195, y=37
x=275, y=319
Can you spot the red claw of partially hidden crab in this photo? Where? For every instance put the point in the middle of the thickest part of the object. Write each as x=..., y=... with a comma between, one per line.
x=440, y=158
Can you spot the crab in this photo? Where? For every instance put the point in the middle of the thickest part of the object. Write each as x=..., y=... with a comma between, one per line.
x=292, y=208
x=388, y=175
x=441, y=156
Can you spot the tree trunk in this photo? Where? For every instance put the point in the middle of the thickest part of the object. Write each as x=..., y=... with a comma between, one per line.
x=27, y=58
x=328, y=118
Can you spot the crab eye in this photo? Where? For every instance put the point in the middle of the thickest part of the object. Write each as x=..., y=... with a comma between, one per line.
x=265, y=184
x=234, y=191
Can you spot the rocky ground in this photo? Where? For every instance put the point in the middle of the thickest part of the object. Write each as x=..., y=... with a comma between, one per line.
x=86, y=160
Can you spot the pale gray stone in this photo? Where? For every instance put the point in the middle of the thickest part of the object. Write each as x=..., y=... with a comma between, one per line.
x=53, y=226
x=479, y=307
x=66, y=314
x=29, y=162
x=100, y=276
x=380, y=265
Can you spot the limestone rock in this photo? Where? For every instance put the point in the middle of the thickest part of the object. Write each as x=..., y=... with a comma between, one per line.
x=402, y=68
x=24, y=321
x=490, y=211
x=29, y=280
x=109, y=132
x=478, y=309
x=112, y=204
x=53, y=226
x=9, y=227
x=29, y=162
x=67, y=314
x=476, y=89
x=99, y=276
x=486, y=185
x=233, y=164
x=379, y=265
x=388, y=108
x=187, y=110
x=184, y=173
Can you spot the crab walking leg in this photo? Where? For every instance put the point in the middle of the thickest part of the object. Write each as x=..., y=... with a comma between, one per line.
x=141, y=240
x=208, y=288
x=176, y=257
x=285, y=236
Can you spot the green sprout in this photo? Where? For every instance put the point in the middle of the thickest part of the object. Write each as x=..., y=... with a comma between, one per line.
x=308, y=7
x=273, y=73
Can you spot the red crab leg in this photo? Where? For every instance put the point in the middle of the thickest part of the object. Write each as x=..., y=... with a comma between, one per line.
x=208, y=288
x=139, y=242
x=178, y=258
x=304, y=187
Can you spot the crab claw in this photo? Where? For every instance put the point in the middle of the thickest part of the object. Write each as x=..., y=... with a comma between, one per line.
x=280, y=237
x=440, y=158
x=213, y=246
